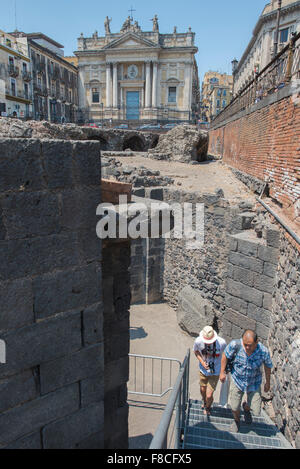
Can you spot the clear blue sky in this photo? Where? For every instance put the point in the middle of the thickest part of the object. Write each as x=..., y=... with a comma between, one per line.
x=223, y=27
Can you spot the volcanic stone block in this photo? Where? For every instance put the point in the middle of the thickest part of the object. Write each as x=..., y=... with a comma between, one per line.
x=20, y=165
x=273, y=237
x=92, y=318
x=247, y=247
x=244, y=276
x=115, y=373
x=66, y=290
x=32, y=345
x=264, y=283
x=95, y=441
x=79, y=208
x=71, y=368
x=16, y=304
x=22, y=258
x=259, y=314
x=35, y=414
x=256, y=265
x=70, y=431
x=268, y=254
x=30, y=214
x=32, y=441
x=238, y=319
x=92, y=390
x=58, y=163
x=17, y=390
x=244, y=292
x=86, y=157
x=194, y=312
x=270, y=269
x=236, y=303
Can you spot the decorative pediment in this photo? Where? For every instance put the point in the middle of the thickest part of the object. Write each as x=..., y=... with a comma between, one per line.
x=131, y=40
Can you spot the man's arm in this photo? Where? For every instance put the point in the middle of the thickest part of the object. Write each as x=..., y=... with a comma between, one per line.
x=223, y=367
x=268, y=377
x=200, y=359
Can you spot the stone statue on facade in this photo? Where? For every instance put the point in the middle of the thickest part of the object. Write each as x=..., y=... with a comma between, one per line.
x=106, y=25
x=136, y=27
x=126, y=25
x=155, y=23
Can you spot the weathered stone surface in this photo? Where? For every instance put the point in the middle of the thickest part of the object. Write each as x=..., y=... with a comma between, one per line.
x=32, y=441
x=66, y=290
x=35, y=414
x=16, y=304
x=20, y=165
x=30, y=214
x=92, y=390
x=194, y=312
x=244, y=292
x=17, y=390
x=32, y=345
x=67, y=370
x=183, y=143
x=34, y=256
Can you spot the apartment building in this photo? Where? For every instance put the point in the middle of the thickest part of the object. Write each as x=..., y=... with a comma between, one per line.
x=216, y=94
x=15, y=78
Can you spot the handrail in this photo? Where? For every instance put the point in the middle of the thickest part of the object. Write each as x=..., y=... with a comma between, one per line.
x=282, y=223
x=178, y=398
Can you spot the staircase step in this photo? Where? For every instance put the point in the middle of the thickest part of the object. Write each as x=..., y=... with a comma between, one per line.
x=207, y=438
x=212, y=431
x=221, y=423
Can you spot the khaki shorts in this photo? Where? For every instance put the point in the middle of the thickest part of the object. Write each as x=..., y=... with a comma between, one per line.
x=210, y=381
x=236, y=396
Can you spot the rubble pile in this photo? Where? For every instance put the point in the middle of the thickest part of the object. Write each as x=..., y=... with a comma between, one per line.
x=183, y=143
x=138, y=177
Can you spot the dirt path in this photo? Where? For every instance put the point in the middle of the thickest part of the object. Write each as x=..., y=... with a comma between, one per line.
x=203, y=177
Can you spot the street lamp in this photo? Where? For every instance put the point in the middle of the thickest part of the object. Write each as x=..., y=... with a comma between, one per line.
x=277, y=29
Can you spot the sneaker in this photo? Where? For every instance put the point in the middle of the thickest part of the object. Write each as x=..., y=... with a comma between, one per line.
x=248, y=416
x=234, y=427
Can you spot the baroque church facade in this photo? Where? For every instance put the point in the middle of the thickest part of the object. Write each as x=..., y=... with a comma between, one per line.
x=138, y=75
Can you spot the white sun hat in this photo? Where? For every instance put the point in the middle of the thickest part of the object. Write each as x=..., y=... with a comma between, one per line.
x=208, y=335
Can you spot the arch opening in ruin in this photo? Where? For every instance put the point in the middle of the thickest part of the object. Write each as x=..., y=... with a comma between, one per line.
x=134, y=143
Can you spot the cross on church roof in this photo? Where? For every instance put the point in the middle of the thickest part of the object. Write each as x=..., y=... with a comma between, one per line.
x=130, y=11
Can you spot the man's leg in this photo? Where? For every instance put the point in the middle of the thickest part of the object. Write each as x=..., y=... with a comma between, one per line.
x=203, y=386
x=211, y=387
x=235, y=399
x=203, y=394
x=254, y=402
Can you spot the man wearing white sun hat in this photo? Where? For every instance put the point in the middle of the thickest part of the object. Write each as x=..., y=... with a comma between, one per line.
x=208, y=349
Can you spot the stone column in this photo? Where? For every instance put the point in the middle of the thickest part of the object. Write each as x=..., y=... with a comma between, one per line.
x=108, y=85
x=148, y=86
x=115, y=85
x=154, y=85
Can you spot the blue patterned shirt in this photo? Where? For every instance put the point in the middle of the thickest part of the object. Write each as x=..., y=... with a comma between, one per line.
x=246, y=371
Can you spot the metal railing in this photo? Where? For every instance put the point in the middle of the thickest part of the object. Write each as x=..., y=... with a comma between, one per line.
x=151, y=376
x=277, y=74
x=179, y=401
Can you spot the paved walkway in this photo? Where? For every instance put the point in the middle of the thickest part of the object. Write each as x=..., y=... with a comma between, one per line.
x=154, y=331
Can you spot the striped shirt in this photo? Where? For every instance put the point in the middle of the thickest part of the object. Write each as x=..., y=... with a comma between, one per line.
x=246, y=371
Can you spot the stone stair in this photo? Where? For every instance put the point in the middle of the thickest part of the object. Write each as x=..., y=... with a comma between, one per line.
x=203, y=432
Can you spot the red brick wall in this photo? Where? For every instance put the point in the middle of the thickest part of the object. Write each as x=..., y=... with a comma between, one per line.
x=266, y=144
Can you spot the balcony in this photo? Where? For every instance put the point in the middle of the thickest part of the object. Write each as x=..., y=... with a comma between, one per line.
x=40, y=67
x=40, y=89
x=13, y=71
x=27, y=76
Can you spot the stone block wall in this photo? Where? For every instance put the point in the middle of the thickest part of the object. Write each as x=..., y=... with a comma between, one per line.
x=284, y=337
x=203, y=269
x=50, y=287
x=251, y=271
x=116, y=299
x=263, y=142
